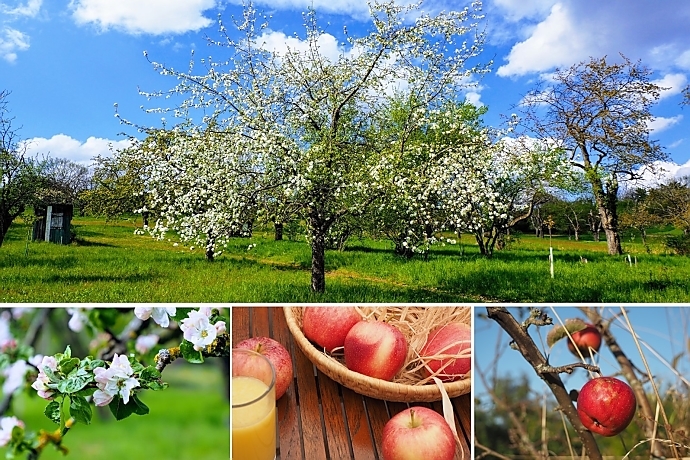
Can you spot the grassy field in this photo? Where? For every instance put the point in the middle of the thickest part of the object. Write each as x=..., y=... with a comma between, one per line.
x=189, y=420
x=109, y=263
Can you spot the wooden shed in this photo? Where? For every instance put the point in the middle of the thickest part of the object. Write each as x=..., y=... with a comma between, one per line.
x=59, y=216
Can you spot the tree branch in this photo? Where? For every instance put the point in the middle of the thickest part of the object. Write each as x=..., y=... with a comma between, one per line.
x=526, y=346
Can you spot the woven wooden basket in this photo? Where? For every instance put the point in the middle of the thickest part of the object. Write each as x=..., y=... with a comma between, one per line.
x=407, y=391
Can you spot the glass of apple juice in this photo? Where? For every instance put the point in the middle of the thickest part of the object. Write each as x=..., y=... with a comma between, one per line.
x=253, y=416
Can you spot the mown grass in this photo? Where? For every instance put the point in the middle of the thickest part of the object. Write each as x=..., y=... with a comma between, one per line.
x=189, y=420
x=109, y=263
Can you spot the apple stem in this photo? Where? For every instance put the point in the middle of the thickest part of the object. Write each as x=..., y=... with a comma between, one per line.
x=414, y=423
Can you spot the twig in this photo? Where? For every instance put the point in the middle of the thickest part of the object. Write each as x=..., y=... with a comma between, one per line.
x=567, y=369
x=529, y=350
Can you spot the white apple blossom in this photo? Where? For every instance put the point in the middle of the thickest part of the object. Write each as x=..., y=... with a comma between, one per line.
x=15, y=376
x=116, y=380
x=198, y=330
x=6, y=426
x=160, y=314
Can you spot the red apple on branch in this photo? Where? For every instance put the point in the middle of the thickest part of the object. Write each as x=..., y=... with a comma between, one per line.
x=606, y=405
x=418, y=433
x=328, y=326
x=277, y=354
x=586, y=338
x=446, y=347
x=376, y=349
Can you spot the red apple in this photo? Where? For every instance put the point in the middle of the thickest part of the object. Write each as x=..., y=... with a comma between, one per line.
x=448, y=342
x=587, y=338
x=376, y=349
x=277, y=354
x=418, y=433
x=606, y=405
x=328, y=326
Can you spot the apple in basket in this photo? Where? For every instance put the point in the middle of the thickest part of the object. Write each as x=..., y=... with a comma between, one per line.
x=444, y=351
x=376, y=349
x=277, y=354
x=328, y=326
x=418, y=433
x=587, y=338
x=606, y=405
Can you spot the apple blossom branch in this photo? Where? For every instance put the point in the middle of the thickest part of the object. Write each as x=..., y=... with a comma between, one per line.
x=220, y=348
x=526, y=346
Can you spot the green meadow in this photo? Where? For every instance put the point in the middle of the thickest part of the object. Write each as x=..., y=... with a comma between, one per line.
x=108, y=262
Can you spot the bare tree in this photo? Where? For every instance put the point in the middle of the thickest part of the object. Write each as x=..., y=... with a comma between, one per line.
x=600, y=113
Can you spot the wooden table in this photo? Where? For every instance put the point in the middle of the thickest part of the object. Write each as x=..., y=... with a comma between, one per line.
x=319, y=419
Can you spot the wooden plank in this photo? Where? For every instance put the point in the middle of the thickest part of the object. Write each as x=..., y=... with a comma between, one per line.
x=259, y=322
x=377, y=412
x=240, y=324
x=289, y=436
x=363, y=446
x=337, y=434
x=310, y=413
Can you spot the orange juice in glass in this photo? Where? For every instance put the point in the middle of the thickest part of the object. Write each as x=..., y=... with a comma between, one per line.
x=253, y=406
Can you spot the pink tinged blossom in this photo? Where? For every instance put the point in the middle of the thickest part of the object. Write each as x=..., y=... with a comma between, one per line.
x=6, y=426
x=198, y=330
x=220, y=327
x=160, y=314
x=145, y=343
x=42, y=381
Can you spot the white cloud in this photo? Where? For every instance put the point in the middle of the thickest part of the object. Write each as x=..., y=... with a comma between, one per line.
x=516, y=10
x=574, y=30
x=474, y=98
x=279, y=43
x=31, y=8
x=144, y=16
x=659, y=124
x=663, y=171
x=675, y=82
x=63, y=146
x=556, y=41
x=12, y=41
x=356, y=8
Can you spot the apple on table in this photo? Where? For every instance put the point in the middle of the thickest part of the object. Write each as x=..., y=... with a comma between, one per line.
x=418, y=433
x=277, y=354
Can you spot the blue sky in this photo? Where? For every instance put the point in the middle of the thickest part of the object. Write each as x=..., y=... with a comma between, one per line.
x=663, y=329
x=66, y=62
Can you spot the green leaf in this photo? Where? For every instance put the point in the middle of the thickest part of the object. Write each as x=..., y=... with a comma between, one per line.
x=91, y=364
x=68, y=352
x=189, y=353
x=121, y=410
x=68, y=364
x=74, y=383
x=52, y=411
x=140, y=407
x=137, y=367
x=149, y=373
x=182, y=313
x=559, y=332
x=104, y=318
x=80, y=409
